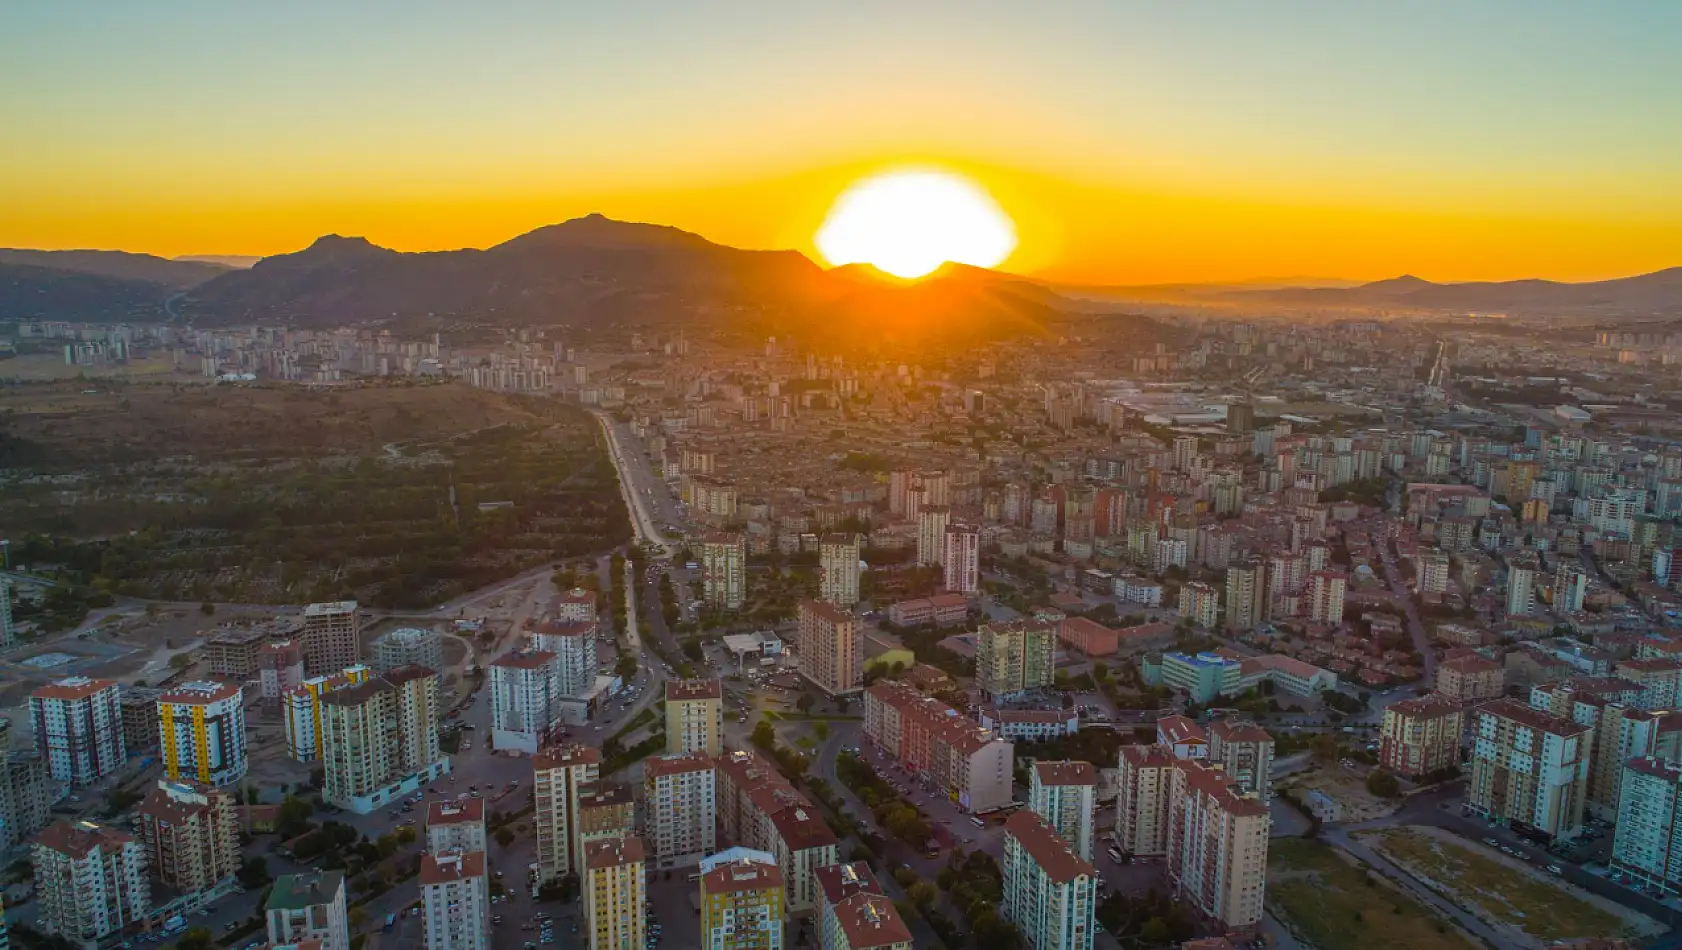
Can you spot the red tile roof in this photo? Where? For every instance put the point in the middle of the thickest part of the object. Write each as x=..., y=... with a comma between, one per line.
x=451, y=866
x=1066, y=773
x=1046, y=847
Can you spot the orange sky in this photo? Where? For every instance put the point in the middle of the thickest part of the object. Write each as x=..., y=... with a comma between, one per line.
x=1132, y=143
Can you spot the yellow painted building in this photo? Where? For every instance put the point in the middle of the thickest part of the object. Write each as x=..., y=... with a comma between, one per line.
x=201, y=730
x=301, y=710
x=742, y=901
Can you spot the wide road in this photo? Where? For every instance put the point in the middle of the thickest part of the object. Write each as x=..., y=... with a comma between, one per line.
x=636, y=483
x=1399, y=587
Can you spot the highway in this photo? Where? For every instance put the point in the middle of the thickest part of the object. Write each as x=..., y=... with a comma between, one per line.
x=638, y=486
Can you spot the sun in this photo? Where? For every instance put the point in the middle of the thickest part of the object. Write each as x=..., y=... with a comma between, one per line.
x=910, y=222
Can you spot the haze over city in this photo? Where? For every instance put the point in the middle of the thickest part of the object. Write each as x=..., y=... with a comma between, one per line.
x=813, y=476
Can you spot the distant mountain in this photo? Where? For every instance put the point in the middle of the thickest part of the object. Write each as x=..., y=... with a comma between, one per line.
x=174, y=275
x=585, y=270
x=234, y=261
x=1647, y=294
x=43, y=293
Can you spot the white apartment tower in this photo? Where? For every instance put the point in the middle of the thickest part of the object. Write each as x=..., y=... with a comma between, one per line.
x=1050, y=892
x=724, y=567
x=90, y=881
x=681, y=800
x=1064, y=795
x=456, y=895
x=931, y=534
x=559, y=777
x=1143, y=778
x=838, y=569
x=525, y=699
x=961, y=559
x=78, y=725
x=308, y=906
x=1217, y=845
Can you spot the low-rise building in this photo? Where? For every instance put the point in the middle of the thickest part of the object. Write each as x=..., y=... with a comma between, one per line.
x=1029, y=725
x=308, y=906
x=1470, y=678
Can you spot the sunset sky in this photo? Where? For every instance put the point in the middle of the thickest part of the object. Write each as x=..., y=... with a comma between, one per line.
x=1131, y=142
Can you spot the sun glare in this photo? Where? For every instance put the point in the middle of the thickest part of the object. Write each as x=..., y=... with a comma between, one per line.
x=908, y=223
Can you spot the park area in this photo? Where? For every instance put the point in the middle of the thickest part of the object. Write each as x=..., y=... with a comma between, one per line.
x=1334, y=903
x=1505, y=892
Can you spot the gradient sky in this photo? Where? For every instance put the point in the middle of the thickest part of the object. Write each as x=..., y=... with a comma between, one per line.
x=1133, y=142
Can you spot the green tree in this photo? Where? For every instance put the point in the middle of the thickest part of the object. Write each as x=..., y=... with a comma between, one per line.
x=764, y=736
x=208, y=609
x=195, y=938
x=1155, y=932
x=805, y=702
x=1383, y=784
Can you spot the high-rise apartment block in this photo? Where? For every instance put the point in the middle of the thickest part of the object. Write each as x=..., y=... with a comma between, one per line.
x=1432, y=567
x=280, y=668
x=455, y=826
x=961, y=560
x=1521, y=585
x=27, y=793
x=759, y=809
x=1619, y=732
x=1200, y=603
x=681, y=800
x=615, y=894
x=931, y=534
x=838, y=569
x=1647, y=838
x=854, y=913
x=1217, y=845
x=78, y=726
x=1326, y=590
x=829, y=646
x=300, y=710
x=694, y=716
x=201, y=728
x=1244, y=751
x=191, y=836
x=573, y=643
x=1015, y=657
x=724, y=570
x=525, y=700
x=456, y=897
x=1064, y=794
x=1529, y=766
x=924, y=735
x=1246, y=595
x=1143, y=780
x=380, y=739
x=308, y=906
x=331, y=637
x=742, y=902
x=90, y=882
x=560, y=778
x=1421, y=736
x=1050, y=892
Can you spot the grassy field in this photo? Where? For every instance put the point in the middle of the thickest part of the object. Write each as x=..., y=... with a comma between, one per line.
x=1336, y=905
x=1523, y=901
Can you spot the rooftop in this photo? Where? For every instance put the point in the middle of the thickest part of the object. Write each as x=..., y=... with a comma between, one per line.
x=613, y=852
x=298, y=891
x=75, y=687
x=1065, y=773
x=470, y=811
x=1533, y=718
x=448, y=866
x=330, y=608
x=1047, y=848
x=198, y=692
x=694, y=689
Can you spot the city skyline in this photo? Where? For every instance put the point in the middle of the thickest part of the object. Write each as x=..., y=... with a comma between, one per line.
x=1129, y=145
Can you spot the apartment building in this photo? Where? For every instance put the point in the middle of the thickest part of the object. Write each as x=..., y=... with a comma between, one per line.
x=740, y=774
x=931, y=739
x=1647, y=838
x=742, y=901
x=300, y=710
x=1619, y=731
x=1246, y=595
x=680, y=797
x=1050, y=892
x=201, y=729
x=1326, y=591
x=1421, y=736
x=694, y=716
x=27, y=794
x=1470, y=678
x=1201, y=604
x=78, y=724
x=231, y=652
x=854, y=912
x=456, y=900
x=280, y=668
x=332, y=634
x=829, y=646
x=1015, y=657
x=1244, y=751
x=140, y=718
x=785, y=824
x=838, y=569
x=932, y=521
x=1660, y=679
x=308, y=906
x=380, y=739
x=615, y=894
x=1217, y=845
x=605, y=810
x=1529, y=767
x=455, y=826
x=574, y=645
x=408, y=646
x=724, y=570
x=559, y=777
x=190, y=832
x=1064, y=794
x=1142, y=795
x=525, y=700
x=90, y=882
x=961, y=559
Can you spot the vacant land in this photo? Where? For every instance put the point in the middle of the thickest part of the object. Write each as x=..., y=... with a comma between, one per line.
x=397, y=495
x=1503, y=892
x=1338, y=905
